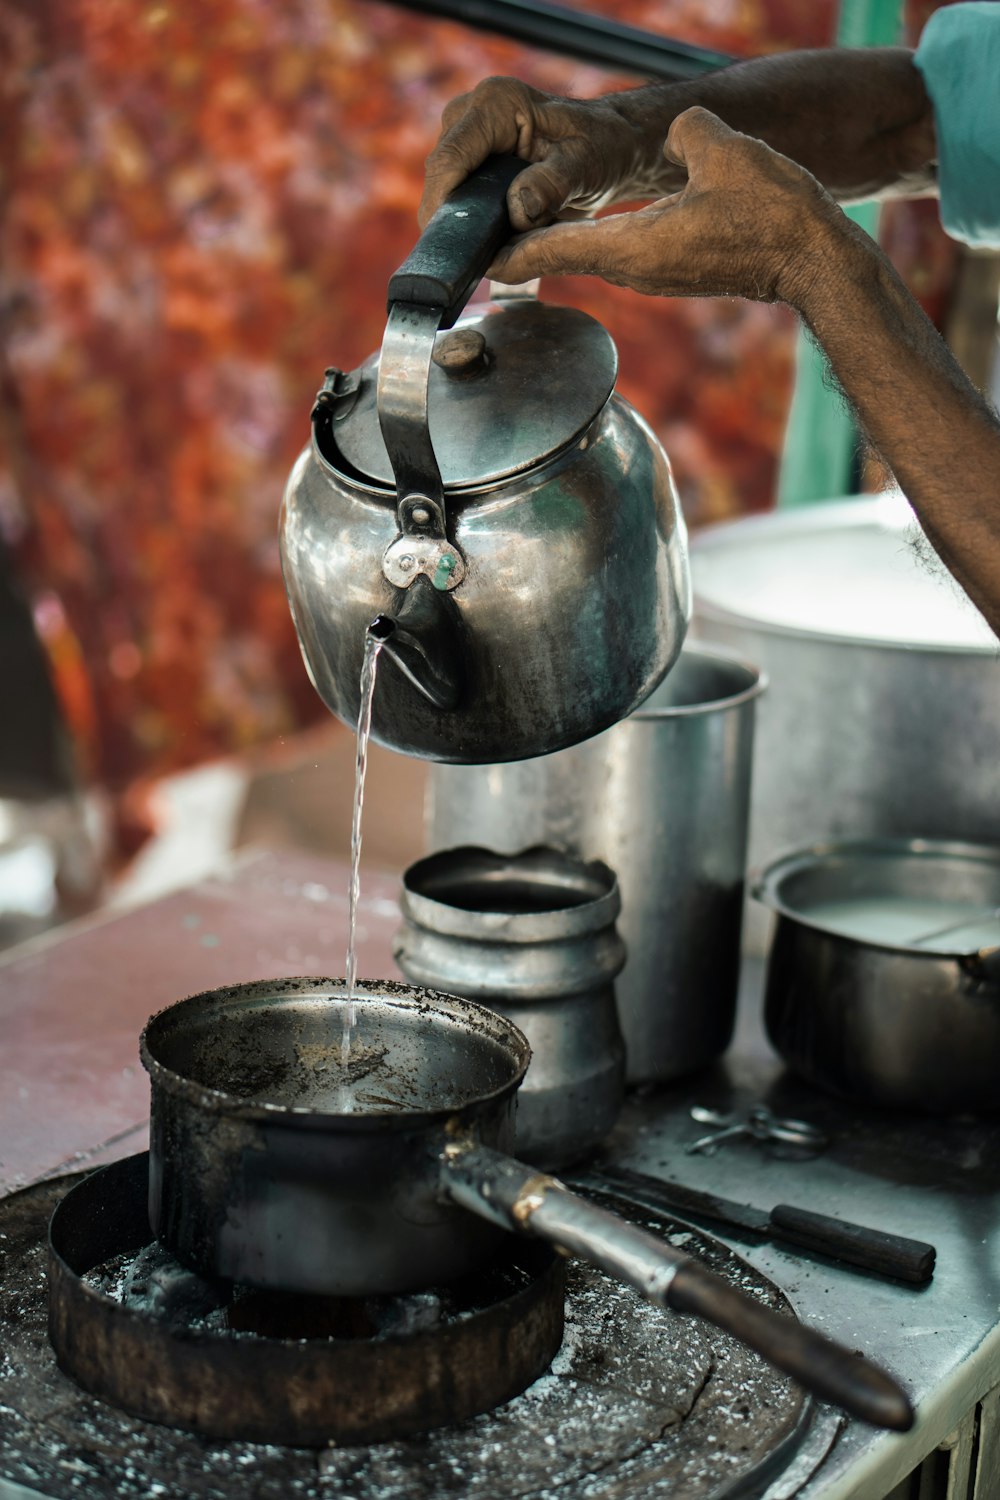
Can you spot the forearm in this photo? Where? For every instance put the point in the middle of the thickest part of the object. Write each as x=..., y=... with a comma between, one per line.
x=928, y=422
x=859, y=120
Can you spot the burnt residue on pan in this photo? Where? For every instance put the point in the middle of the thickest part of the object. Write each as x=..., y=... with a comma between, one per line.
x=275, y=1045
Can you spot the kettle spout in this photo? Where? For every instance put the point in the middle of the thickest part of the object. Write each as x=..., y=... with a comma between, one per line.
x=422, y=638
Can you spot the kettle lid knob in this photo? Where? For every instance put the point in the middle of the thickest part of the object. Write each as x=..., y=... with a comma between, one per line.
x=461, y=352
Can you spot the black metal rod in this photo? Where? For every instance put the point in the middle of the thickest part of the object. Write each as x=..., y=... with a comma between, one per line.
x=590, y=39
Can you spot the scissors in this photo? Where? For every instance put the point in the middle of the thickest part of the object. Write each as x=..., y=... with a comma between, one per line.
x=757, y=1123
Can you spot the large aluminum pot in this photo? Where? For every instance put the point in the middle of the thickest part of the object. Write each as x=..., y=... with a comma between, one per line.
x=883, y=711
x=663, y=798
x=883, y=980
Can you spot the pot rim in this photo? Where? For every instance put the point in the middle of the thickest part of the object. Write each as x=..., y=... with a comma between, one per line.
x=751, y=624
x=704, y=706
x=401, y=995
x=889, y=509
x=554, y=924
x=765, y=884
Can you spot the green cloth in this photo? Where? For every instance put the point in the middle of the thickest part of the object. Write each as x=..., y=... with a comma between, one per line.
x=959, y=58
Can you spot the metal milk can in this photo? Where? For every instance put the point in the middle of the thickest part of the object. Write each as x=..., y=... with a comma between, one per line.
x=532, y=935
x=480, y=493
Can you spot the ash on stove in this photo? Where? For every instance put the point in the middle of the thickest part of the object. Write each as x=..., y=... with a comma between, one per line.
x=153, y=1282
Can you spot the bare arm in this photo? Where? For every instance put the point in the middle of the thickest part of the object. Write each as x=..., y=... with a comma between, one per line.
x=932, y=427
x=859, y=120
x=751, y=223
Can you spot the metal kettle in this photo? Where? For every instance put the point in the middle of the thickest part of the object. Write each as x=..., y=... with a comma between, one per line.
x=479, y=497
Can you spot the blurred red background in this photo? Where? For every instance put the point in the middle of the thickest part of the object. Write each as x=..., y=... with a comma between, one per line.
x=202, y=203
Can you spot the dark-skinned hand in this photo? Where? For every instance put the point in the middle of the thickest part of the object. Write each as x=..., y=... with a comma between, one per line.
x=742, y=226
x=584, y=155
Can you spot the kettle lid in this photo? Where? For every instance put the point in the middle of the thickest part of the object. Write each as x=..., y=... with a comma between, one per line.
x=510, y=386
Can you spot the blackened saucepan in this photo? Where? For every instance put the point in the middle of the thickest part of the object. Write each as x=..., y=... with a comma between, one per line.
x=272, y=1162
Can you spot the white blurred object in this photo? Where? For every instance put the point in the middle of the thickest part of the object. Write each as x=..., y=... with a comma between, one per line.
x=869, y=575
x=196, y=813
x=51, y=862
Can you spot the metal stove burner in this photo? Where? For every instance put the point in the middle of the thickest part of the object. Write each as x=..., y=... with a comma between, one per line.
x=637, y=1404
x=305, y=1371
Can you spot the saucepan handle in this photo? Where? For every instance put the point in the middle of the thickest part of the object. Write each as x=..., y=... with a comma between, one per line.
x=521, y=1199
x=455, y=250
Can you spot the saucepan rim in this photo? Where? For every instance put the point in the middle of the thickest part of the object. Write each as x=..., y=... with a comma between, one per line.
x=766, y=884
x=890, y=511
x=229, y=1106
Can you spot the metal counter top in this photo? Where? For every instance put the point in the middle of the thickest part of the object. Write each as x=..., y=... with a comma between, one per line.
x=72, y=1093
x=934, y=1179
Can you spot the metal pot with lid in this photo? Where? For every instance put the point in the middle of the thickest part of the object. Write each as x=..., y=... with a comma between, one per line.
x=480, y=492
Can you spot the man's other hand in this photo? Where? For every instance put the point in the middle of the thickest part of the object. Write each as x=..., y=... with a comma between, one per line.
x=743, y=226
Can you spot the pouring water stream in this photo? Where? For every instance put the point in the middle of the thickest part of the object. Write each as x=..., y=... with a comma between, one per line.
x=373, y=645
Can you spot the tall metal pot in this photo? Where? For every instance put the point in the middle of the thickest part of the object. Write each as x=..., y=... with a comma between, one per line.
x=883, y=710
x=663, y=798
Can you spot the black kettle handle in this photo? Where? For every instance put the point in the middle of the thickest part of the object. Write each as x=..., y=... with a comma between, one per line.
x=450, y=257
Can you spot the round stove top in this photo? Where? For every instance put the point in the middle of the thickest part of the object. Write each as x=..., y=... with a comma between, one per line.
x=637, y=1402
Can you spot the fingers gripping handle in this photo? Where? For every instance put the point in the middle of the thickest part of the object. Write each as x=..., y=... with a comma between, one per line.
x=451, y=256
x=521, y=1199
